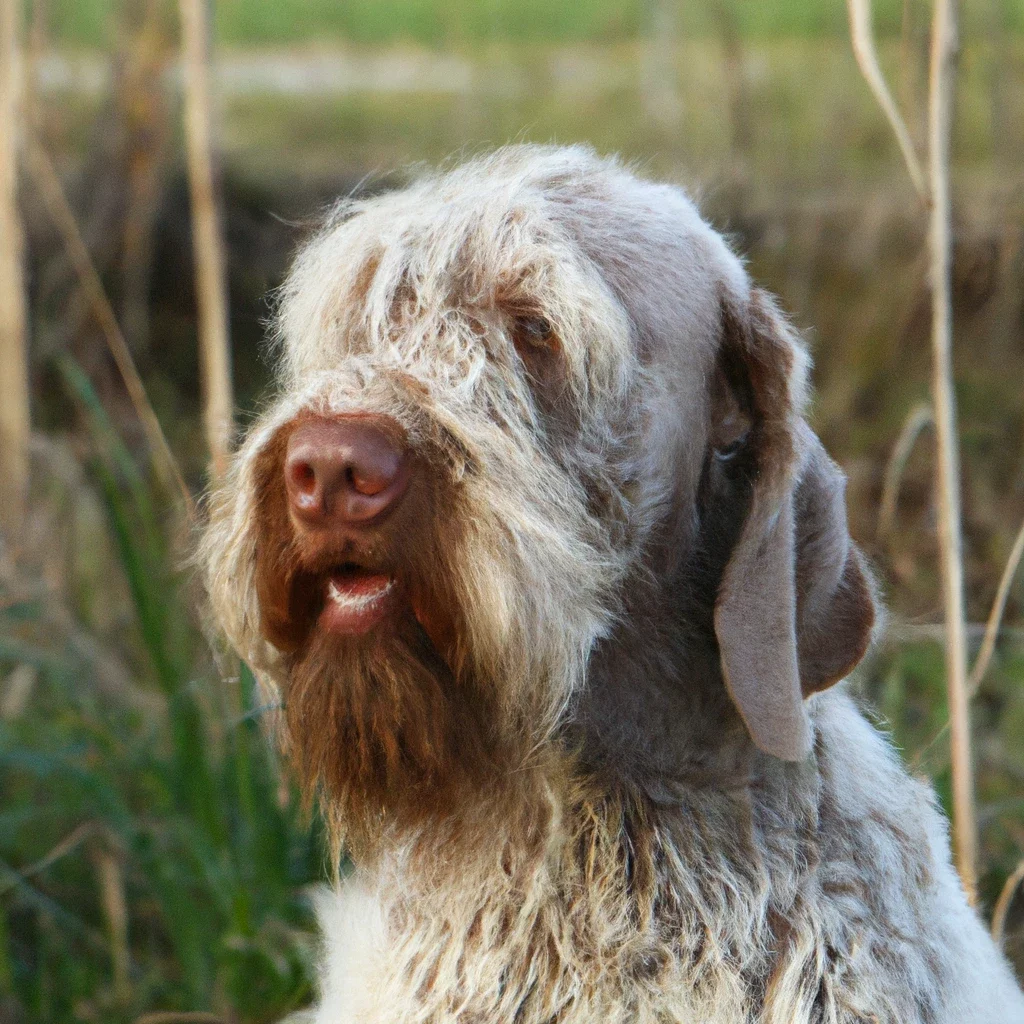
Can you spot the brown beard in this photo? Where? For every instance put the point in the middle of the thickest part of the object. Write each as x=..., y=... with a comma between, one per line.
x=382, y=729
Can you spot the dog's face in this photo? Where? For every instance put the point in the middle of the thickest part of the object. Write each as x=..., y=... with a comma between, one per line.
x=506, y=393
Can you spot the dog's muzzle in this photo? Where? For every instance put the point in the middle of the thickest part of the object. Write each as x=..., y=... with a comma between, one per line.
x=344, y=476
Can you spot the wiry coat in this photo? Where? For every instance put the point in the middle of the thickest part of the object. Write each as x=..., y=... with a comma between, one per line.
x=597, y=769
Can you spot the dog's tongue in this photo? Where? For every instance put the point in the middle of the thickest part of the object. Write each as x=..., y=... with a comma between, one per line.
x=355, y=601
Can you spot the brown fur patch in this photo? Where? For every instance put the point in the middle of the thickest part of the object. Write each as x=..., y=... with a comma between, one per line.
x=391, y=725
x=286, y=606
x=384, y=728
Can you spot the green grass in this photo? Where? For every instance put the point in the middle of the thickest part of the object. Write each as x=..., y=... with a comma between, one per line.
x=174, y=779
x=781, y=133
x=906, y=686
x=441, y=22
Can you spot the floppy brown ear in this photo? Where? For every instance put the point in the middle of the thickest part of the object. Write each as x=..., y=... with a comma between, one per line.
x=795, y=609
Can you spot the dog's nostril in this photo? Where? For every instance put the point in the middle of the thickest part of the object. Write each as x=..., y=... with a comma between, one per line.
x=303, y=476
x=371, y=480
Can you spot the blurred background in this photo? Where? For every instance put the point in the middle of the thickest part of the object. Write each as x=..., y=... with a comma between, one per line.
x=152, y=856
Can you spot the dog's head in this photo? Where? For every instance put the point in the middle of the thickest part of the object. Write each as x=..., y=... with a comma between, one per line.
x=507, y=394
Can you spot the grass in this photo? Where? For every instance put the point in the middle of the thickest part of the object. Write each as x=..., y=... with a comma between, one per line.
x=444, y=22
x=167, y=774
x=906, y=686
x=595, y=95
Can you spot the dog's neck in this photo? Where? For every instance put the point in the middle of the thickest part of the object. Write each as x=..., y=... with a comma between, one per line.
x=655, y=710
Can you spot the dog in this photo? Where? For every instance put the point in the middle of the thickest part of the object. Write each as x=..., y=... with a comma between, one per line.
x=555, y=584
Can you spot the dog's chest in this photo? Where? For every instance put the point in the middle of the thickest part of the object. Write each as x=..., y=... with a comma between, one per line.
x=725, y=908
x=627, y=918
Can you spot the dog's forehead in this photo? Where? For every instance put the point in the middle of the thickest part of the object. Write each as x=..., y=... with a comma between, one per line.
x=624, y=266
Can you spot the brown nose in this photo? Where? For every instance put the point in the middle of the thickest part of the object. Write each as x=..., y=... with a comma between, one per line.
x=346, y=471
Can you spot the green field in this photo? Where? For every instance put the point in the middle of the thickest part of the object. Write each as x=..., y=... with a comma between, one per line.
x=436, y=23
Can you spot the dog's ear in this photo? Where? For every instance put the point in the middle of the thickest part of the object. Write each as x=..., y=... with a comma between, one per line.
x=795, y=609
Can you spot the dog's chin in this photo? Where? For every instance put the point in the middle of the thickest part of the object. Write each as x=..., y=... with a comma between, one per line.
x=377, y=722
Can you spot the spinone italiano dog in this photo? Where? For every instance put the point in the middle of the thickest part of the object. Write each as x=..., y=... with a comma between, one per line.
x=556, y=586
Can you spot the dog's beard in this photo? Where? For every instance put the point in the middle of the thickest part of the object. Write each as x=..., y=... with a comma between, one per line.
x=380, y=727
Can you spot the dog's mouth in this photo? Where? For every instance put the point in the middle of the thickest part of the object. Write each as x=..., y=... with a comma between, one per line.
x=355, y=599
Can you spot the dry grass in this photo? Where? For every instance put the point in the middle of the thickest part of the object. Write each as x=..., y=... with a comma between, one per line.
x=14, y=390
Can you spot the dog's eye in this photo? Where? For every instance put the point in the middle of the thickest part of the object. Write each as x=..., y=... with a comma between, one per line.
x=731, y=450
x=533, y=332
